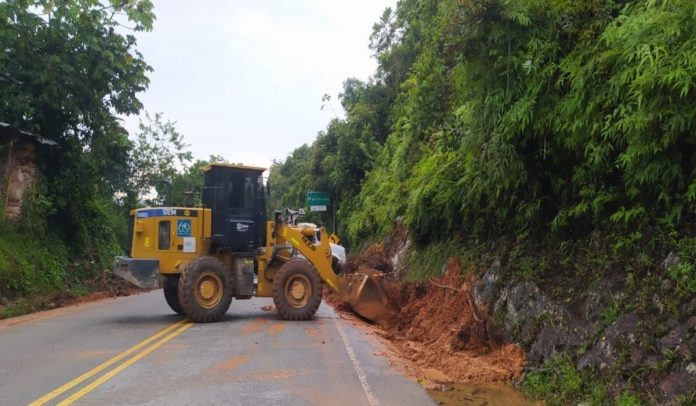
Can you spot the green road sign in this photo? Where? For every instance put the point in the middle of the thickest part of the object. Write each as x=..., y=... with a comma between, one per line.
x=318, y=201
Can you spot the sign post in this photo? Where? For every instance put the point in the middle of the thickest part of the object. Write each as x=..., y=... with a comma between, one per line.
x=318, y=201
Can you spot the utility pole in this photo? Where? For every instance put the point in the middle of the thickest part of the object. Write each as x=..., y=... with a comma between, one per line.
x=333, y=206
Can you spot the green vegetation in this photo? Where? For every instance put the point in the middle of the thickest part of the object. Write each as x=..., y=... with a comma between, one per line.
x=560, y=383
x=74, y=69
x=558, y=135
x=73, y=73
x=29, y=266
x=492, y=118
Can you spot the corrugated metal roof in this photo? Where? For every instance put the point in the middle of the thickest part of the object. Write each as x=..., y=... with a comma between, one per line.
x=16, y=132
x=6, y=77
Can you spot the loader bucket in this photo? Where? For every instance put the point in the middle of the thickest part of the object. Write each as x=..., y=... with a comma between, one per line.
x=364, y=292
x=143, y=273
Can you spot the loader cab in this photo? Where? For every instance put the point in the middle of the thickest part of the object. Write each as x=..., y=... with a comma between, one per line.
x=236, y=196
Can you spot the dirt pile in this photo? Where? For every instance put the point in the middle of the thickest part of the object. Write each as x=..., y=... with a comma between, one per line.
x=436, y=326
x=384, y=257
x=376, y=257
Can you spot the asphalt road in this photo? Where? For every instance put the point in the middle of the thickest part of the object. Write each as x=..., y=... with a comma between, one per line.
x=134, y=350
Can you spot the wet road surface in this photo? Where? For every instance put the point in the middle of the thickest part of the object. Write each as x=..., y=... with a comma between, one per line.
x=134, y=350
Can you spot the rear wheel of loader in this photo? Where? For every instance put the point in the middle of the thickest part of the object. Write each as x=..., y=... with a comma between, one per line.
x=297, y=290
x=171, y=293
x=205, y=290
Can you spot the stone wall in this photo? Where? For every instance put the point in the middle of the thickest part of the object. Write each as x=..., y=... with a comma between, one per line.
x=18, y=169
x=655, y=346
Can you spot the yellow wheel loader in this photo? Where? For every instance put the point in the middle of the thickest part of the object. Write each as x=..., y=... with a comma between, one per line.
x=205, y=256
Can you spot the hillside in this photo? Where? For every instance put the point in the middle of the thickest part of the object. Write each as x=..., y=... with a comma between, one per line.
x=550, y=148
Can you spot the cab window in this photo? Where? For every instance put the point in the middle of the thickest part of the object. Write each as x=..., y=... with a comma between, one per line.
x=163, y=242
x=248, y=193
x=240, y=190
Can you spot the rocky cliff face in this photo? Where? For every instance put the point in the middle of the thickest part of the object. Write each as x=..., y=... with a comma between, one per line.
x=650, y=348
x=19, y=170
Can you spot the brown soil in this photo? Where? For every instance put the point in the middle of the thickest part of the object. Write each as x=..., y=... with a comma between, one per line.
x=334, y=301
x=436, y=329
x=375, y=257
x=268, y=308
x=436, y=326
x=489, y=394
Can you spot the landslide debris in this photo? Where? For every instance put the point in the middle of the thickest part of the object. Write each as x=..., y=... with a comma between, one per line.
x=436, y=327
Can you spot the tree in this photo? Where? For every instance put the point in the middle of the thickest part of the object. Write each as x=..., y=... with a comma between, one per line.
x=74, y=69
x=190, y=180
x=158, y=155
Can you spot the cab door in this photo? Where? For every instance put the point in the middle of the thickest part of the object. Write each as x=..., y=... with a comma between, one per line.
x=178, y=239
x=166, y=246
x=164, y=234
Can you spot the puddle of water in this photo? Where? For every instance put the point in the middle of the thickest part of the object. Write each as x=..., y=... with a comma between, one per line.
x=493, y=394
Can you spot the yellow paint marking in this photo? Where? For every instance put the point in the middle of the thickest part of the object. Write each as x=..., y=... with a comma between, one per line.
x=82, y=392
x=50, y=395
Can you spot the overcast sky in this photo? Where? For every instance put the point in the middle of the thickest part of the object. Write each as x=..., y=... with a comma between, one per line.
x=245, y=78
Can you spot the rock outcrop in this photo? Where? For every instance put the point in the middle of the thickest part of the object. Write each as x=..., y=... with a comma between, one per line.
x=589, y=331
x=19, y=173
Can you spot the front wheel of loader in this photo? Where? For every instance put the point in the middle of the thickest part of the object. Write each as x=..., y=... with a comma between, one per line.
x=297, y=290
x=205, y=290
x=171, y=293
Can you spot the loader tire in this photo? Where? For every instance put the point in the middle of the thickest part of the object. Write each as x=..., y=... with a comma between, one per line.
x=297, y=290
x=205, y=290
x=171, y=293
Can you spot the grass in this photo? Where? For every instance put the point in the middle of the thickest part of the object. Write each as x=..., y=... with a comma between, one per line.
x=427, y=262
x=30, y=264
x=46, y=300
x=35, y=272
x=15, y=309
x=560, y=383
x=628, y=399
x=29, y=304
x=423, y=263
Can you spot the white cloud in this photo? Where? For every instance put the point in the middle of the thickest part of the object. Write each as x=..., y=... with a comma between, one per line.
x=245, y=78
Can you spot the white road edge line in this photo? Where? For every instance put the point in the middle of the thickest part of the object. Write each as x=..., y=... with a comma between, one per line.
x=371, y=398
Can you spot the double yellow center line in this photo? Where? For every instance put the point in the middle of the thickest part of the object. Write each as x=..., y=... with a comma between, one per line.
x=168, y=333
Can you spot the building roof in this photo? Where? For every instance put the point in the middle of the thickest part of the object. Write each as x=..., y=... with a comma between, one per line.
x=8, y=130
x=236, y=166
x=6, y=77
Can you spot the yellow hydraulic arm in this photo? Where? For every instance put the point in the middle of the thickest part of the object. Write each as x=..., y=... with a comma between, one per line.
x=319, y=255
x=362, y=290
x=281, y=234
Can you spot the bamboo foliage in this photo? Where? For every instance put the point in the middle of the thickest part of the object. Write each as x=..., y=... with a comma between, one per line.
x=527, y=117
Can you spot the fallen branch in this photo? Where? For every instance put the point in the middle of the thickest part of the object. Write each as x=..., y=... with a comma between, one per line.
x=473, y=308
x=471, y=304
x=444, y=286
